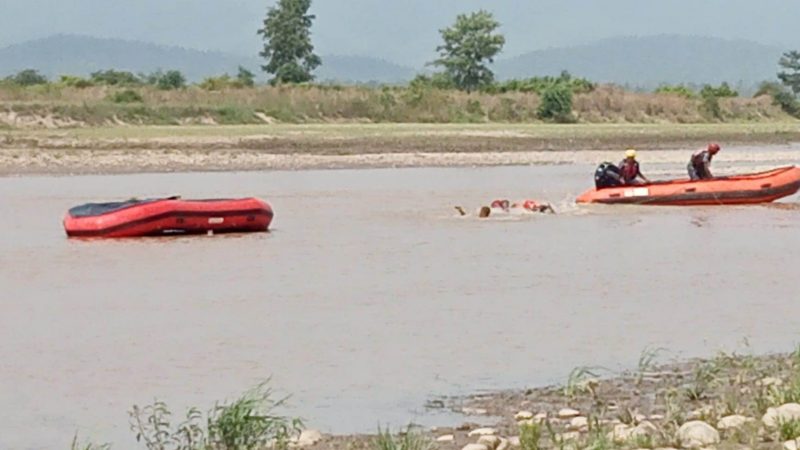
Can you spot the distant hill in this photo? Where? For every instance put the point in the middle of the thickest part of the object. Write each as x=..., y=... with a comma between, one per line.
x=361, y=69
x=81, y=55
x=650, y=61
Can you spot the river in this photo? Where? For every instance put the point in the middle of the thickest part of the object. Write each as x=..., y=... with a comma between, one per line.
x=369, y=297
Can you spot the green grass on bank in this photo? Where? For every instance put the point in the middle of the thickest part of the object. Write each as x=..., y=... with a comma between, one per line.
x=390, y=130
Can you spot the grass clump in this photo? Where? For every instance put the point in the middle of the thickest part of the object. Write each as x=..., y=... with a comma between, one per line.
x=529, y=436
x=789, y=429
x=75, y=445
x=247, y=423
x=646, y=363
x=405, y=440
x=580, y=381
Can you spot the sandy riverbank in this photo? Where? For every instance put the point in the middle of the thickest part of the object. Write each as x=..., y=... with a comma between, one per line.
x=294, y=147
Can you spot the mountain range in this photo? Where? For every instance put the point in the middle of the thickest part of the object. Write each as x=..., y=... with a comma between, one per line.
x=634, y=61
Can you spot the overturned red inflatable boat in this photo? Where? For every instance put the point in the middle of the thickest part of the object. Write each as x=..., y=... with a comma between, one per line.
x=155, y=217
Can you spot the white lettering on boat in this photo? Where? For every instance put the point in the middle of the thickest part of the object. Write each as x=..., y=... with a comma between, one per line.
x=637, y=192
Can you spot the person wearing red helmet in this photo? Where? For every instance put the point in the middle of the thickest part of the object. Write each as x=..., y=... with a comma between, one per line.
x=700, y=164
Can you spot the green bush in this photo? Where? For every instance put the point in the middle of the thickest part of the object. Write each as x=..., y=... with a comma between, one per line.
x=711, y=95
x=245, y=77
x=435, y=81
x=76, y=82
x=28, y=77
x=711, y=107
x=768, y=88
x=787, y=102
x=126, y=96
x=173, y=79
x=723, y=90
x=540, y=84
x=169, y=80
x=780, y=97
x=114, y=78
x=218, y=83
x=556, y=104
x=676, y=89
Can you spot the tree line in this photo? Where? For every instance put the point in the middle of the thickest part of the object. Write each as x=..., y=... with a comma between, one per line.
x=468, y=47
x=467, y=50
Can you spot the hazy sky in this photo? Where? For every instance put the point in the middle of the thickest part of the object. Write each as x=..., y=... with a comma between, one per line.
x=403, y=31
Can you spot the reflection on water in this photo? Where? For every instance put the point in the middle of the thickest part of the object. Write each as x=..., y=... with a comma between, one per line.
x=370, y=296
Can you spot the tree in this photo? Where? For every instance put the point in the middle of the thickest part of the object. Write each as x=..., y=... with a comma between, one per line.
x=469, y=45
x=288, y=48
x=28, y=77
x=791, y=76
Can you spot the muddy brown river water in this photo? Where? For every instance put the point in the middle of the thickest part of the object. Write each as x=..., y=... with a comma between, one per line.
x=369, y=296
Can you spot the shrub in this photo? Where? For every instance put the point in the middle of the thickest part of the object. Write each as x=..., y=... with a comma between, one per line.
x=126, y=96
x=173, y=79
x=677, y=89
x=115, y=78
x=245, y=77
x=28, y=77
x=556, y=104
x=787, y=102
x=540, y=84
x=723, y=90
x=711, y=106
x=435, y=81
x=76, y=82
x=169, y=80
x=780, y=97
x=217, y=83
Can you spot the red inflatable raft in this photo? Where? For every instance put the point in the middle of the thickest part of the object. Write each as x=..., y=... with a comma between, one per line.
x=763, y=187
x=172, y=215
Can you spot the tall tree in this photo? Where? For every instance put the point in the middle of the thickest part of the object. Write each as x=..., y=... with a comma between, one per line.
x=469, y=46
x=287, y=47
x=791, y=76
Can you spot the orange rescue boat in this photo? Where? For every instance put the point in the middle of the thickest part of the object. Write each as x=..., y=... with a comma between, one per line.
x=162, y=216
x=762, y=187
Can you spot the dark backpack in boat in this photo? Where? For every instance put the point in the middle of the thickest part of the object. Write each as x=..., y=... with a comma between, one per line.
x=607, y=175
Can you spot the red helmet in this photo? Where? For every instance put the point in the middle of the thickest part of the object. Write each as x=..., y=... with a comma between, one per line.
x=713, y=148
